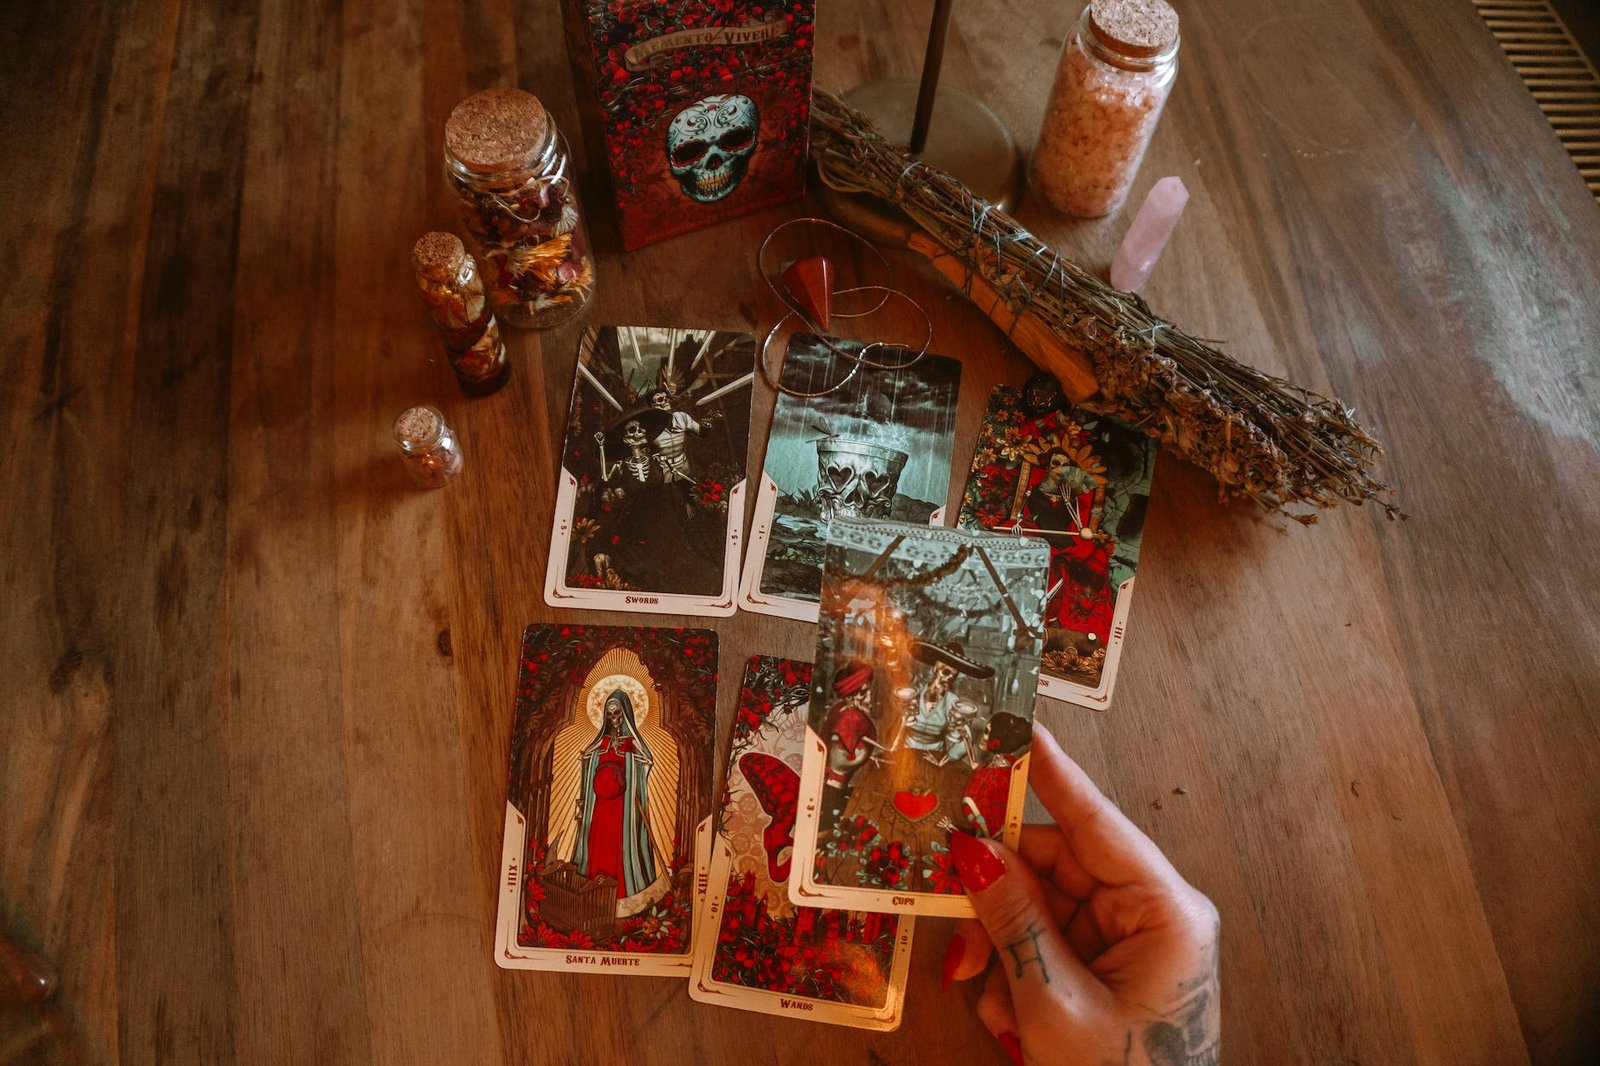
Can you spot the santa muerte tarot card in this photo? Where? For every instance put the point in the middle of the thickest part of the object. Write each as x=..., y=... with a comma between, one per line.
x=650, y=504
x=1082, y=482
x=754, y=948
x=874, y=443
x=921, y=714
x=611, y=776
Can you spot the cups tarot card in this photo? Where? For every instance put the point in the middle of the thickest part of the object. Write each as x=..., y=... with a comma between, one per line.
x=921, y=712
x=1082, y=482
x=872, y=442
x=754, y=948
x=611, y=775
x=650, y=502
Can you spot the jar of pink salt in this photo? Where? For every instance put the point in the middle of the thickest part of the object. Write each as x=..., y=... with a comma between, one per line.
x=1116, y=70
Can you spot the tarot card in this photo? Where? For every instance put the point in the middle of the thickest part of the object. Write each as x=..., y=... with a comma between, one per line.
x=875, y=443
x=1082, y=482
x=650, y=504
x=611, y=775
x=702, y=867
x=921, y=713
x=754, y=948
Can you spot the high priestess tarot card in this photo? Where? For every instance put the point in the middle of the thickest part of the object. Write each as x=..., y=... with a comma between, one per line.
x=754, y=948
x=650, y=500
x=1081, y=481
x=921, y=712
x=611, y=775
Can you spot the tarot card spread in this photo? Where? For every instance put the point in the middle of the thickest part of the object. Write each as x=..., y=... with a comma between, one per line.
x=611, y=775
x=876, y=443
x=921, y=714
x=1082, y=482
x=650, y=505
x=754, y=949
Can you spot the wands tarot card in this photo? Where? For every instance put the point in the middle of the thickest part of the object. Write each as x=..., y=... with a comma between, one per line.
x=871, y=442
x=650, y=504
x=611, y=775
x=1082, y=482
x=921, y=713
x=754, y=949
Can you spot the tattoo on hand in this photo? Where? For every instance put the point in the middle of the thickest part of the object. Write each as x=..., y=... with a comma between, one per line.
x=1020, y=961
x=1189, y=1030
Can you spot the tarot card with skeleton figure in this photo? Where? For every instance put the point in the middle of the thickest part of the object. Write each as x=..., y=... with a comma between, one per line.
x=846, y=440
x=650, y=504
x=921, y=713
x=611, y=776
x=754, y=948
x=1082, y=482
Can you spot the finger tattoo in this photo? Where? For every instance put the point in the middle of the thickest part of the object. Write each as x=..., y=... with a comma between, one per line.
x=1030, y=945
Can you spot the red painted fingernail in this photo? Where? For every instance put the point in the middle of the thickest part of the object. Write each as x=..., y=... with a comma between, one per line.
x=1011, y=1044
x=978, y=866
x=952, y=958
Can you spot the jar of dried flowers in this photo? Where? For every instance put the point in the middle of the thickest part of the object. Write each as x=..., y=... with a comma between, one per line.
x=453, y=292
x=511, y=172
x=1116, y=70
x=428, y=445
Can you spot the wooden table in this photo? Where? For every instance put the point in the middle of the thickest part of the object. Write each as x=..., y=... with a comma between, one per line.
x=258, y=689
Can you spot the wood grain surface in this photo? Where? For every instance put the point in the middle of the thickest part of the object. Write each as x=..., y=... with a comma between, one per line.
x=257, y=689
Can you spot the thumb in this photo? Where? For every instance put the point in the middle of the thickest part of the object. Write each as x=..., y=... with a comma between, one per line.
x=1043, y=973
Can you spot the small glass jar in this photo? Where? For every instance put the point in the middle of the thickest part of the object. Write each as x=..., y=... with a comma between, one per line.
x=511, y=172
x=1116, y=71
x=453, y=291
x=428, y=445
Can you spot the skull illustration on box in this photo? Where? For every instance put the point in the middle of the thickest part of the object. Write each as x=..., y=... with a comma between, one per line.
x=709, y=145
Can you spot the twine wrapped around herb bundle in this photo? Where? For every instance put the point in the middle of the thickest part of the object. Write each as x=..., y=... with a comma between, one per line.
x=1260, y=436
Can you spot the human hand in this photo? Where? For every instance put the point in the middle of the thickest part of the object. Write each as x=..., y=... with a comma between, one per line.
x=1105, y=953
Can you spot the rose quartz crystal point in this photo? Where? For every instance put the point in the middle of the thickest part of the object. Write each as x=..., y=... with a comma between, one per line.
x=810, y=282
x=1157, y=217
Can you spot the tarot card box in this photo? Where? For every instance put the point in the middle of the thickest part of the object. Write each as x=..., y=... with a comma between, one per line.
x=699, y=108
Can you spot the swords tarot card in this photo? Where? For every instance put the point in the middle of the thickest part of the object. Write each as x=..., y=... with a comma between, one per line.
x=1082, y=482
x=650, y=503
x=875, y=443
x=611, y=776
x=754, y=948
x=921, y=713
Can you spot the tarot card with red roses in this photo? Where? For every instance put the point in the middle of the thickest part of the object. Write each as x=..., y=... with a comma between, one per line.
x=610, y=778
x=754, y=948
x=1082, y=482
x=921, y=711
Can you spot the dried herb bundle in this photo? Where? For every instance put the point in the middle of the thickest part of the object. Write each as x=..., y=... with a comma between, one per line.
x=1260, y=436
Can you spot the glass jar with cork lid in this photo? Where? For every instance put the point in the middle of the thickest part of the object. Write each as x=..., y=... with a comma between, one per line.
x=1116, y=71
x=428, y=445
x=511, y=172
x=452, y=289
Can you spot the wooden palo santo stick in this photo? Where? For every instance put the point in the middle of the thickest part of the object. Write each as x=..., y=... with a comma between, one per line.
x=1070, y=366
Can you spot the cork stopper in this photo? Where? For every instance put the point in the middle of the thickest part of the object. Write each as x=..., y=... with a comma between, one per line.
x=497, y=129
x=438, y=256
x=418, y=427
x=1139, y=28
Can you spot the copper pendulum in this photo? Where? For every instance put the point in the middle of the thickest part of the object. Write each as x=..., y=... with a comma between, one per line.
x=944, y=126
